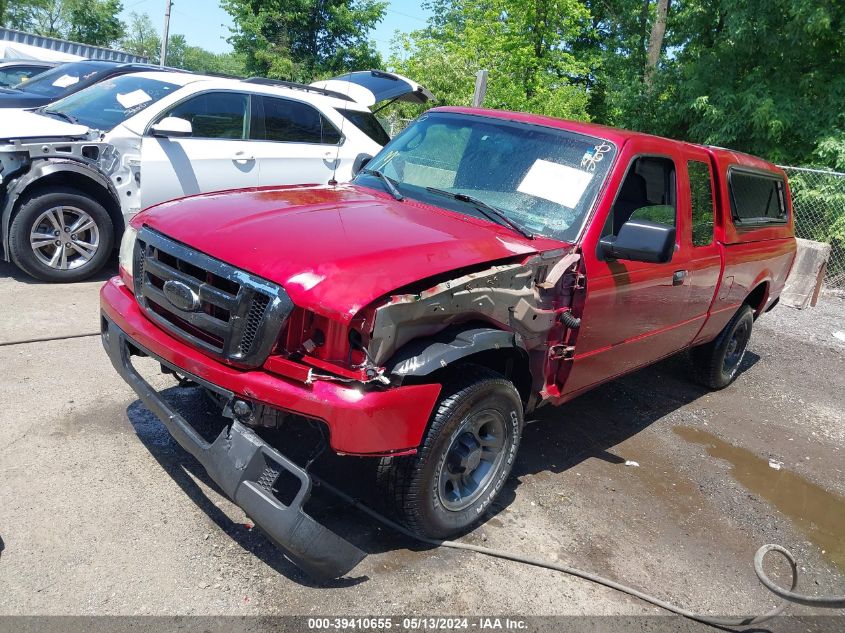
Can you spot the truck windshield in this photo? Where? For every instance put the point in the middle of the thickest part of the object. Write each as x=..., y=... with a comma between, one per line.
x=545, y=180
x=109, y=103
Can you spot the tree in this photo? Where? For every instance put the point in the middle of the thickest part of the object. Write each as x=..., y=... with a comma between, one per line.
x=655, y=41
x=305, y=39
x=94, y=22
x=527, y=45
x=763, y=76
x=143, y=39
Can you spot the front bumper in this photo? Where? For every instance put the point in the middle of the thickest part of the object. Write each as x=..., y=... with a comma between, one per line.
x=245, y=467
x=360, y=421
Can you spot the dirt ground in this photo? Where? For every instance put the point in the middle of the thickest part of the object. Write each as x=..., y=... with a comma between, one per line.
x=102, y=513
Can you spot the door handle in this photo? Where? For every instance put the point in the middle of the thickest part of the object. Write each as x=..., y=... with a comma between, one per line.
x=678, y=277
x=242, y=157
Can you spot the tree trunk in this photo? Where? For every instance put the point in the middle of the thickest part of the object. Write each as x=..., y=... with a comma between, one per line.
x=655, y=42
x=642, y=53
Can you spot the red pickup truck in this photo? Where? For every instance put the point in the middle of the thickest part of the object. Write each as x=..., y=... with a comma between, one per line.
x=482, y=265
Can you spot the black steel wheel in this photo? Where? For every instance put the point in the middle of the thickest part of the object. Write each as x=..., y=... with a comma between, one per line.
x=465, y=458
x=716, y=364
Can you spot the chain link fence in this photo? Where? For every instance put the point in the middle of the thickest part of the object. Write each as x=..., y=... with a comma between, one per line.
x=818, y=200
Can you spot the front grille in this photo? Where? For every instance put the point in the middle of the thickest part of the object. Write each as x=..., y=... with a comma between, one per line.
x=225, y=311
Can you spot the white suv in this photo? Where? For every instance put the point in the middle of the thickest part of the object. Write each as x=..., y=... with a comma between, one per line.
x=73, y=173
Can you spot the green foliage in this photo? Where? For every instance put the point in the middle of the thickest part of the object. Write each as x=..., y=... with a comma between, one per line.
x=143, y=39
x=305, y=39
x=761, y=76
x=818, y=200
x=94, y=22
x=524, y=44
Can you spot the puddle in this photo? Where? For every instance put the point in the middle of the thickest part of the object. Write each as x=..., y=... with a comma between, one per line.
x=817, y=512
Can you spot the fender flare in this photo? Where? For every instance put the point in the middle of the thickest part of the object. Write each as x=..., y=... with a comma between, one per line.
x=38, y=170
x=423, y=356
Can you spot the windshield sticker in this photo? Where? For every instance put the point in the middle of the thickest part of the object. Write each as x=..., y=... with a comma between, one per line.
x=65, y=80
x=558, y=183
x=594, y=156
x=132, y=99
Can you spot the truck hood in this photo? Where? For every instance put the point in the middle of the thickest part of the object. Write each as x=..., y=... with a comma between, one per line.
x=334, y=249
x=21, y=124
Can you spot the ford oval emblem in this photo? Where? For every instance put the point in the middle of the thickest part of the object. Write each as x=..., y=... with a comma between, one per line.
x=181, y=296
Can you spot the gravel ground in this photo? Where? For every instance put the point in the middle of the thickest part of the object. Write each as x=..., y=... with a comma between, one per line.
x=102, y=513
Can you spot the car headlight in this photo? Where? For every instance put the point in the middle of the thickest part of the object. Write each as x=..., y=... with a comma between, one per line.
x=126, y=257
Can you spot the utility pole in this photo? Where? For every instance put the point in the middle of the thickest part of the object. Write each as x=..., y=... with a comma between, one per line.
x=480, y=88
x=166, y=35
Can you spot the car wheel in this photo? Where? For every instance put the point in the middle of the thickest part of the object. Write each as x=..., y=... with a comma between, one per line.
x=464, y=460
x=716, y=364
x=61, y=235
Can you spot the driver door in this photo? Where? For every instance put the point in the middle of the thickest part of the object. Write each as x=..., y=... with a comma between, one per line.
x=217, y=155
x=632, y=309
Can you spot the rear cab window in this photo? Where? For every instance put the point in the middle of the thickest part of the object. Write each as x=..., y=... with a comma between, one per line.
x=757, y=197
x=701, y=201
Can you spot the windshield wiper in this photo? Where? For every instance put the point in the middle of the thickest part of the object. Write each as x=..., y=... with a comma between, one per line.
x=490, y=212
x=388, y=182
x=62, y=115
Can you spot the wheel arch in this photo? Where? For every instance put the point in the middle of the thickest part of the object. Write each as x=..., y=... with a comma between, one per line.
x=426, y=358
x=52, y=173
x=757, y=298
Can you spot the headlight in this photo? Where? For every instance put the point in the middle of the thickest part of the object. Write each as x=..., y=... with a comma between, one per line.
x=127, y=252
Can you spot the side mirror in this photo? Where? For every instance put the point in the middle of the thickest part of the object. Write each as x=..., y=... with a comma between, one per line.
x=640, y=241
x=172, y=126
x=361, y=161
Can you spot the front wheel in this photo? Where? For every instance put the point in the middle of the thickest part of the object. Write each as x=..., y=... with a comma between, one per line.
x=716, y=364
x=61, y=235
x=466, y=456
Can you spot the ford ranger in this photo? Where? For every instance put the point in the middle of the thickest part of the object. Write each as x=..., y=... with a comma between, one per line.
x=482, y=265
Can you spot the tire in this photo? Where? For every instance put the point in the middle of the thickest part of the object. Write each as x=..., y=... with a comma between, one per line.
x=716, y=364
x=465, y=458
x=52, y=213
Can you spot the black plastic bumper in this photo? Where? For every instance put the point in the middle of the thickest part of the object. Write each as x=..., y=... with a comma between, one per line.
x=246, y=469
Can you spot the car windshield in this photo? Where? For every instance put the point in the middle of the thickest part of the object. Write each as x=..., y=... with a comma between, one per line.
x=543, y=179
x=109, y=103
x=61, y=80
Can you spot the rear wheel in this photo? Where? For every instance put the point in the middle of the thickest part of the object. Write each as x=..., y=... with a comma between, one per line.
x=61, y=235
x=464, y=460
x=716, y=364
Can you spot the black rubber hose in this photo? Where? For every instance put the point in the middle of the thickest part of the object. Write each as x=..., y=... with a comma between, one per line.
x=573, y=323
x=786, y=595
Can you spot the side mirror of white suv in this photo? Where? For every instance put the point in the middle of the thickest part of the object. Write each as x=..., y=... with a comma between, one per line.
x=172, y=126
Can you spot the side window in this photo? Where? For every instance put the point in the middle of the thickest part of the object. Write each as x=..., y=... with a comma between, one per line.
x=701, y=197
x=14, y=76
x=289, y=121
x=647, y=193
x=756, y=198
x=214, y=114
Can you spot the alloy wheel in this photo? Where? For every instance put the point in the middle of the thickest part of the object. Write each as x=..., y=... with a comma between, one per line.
x=64, y=238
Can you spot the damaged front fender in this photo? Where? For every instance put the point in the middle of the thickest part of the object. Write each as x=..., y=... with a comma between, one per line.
x=101, y=164
x=516, y=307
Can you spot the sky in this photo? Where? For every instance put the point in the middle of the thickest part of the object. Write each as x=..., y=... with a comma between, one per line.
x=205, y=24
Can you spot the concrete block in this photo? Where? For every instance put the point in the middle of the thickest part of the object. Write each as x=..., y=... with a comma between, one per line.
x=805, y=280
